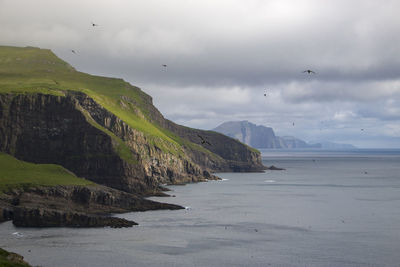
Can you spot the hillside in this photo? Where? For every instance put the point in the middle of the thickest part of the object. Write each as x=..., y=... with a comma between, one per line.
x=103, y=129
x=15, y=173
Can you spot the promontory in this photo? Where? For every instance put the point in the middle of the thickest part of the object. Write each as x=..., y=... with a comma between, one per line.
x=75, y=147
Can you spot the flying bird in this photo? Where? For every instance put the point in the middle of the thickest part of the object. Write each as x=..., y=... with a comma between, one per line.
x=293, y=123
x=73, y=51
x=309, y=71
x=94, y=24
x=203, y=141
x=164, y=65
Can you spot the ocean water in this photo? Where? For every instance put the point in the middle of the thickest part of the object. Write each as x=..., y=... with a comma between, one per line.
x=328, y=208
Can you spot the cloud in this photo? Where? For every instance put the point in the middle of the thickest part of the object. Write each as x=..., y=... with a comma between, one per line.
x=223, y=55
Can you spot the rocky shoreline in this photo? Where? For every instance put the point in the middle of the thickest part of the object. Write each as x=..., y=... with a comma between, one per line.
x=73, y=206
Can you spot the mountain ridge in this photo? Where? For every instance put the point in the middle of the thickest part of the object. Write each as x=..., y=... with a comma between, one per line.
x=263, y=137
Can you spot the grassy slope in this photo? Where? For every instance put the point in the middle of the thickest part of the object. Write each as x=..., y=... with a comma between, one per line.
x=34, y=70
x=16, y=173
x=6, y=262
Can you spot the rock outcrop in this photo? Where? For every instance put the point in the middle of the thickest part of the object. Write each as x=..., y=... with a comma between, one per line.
x=73, y=206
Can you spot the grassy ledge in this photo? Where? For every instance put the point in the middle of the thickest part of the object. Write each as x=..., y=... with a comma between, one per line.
x=15, y=173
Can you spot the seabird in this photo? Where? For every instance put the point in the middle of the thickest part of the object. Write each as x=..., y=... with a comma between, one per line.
x=203, y=141
x=309, y=71
x=73, y=51
x=94, y=24
x=164, y=65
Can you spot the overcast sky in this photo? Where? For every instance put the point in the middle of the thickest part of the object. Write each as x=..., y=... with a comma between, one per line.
x=224, y=55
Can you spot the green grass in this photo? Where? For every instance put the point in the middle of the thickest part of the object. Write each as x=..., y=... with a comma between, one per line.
x=15, y=173
x=34, y=70
x=4, y=262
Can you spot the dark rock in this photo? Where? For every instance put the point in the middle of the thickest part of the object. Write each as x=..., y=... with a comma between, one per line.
x=273, y=168
x=73, y=206
x=39, y=217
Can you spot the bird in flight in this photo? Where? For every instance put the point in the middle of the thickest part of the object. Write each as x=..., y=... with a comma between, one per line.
x=164, y=65
x=203, y=141
x=293, y=123
x=265, y=93
x=73, y=51
x=94, y=24
x=309, y=71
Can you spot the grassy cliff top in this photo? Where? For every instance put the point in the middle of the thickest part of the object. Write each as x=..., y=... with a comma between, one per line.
x=15, y=173
x=35, y=70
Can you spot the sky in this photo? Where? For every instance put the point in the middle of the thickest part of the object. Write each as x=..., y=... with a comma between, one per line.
x=223, y=56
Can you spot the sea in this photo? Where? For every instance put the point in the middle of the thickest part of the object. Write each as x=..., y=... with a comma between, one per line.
x=327, y=208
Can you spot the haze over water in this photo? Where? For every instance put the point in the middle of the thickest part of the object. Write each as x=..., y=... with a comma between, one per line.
x=338, y=208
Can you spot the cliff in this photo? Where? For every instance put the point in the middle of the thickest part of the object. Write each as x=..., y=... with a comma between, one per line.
x=103, y=129
x=259, y=136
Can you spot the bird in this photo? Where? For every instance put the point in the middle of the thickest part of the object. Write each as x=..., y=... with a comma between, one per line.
x=362, y=129
x=293, y=123
x=55, y=82
x=164, y=65
x=73, y=51
x=204, y=141
x=94, y=24
x=309, y=71
x=265, y=93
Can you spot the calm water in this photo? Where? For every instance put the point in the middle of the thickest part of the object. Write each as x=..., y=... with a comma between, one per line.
x=326, y=209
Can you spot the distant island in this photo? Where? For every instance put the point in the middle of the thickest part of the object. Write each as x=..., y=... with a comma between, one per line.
x=262, y=137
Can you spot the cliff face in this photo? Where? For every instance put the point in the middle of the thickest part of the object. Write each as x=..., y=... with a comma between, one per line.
x=103, y=129
x=253, y=135
x=82, y=136
x=260, y=136
x=54, y=129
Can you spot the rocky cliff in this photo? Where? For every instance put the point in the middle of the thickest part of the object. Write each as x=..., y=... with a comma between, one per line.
x=103, y=129
x=259, y=136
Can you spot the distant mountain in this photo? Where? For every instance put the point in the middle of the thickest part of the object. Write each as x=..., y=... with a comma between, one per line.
x=259, y=136
x=253, y=135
